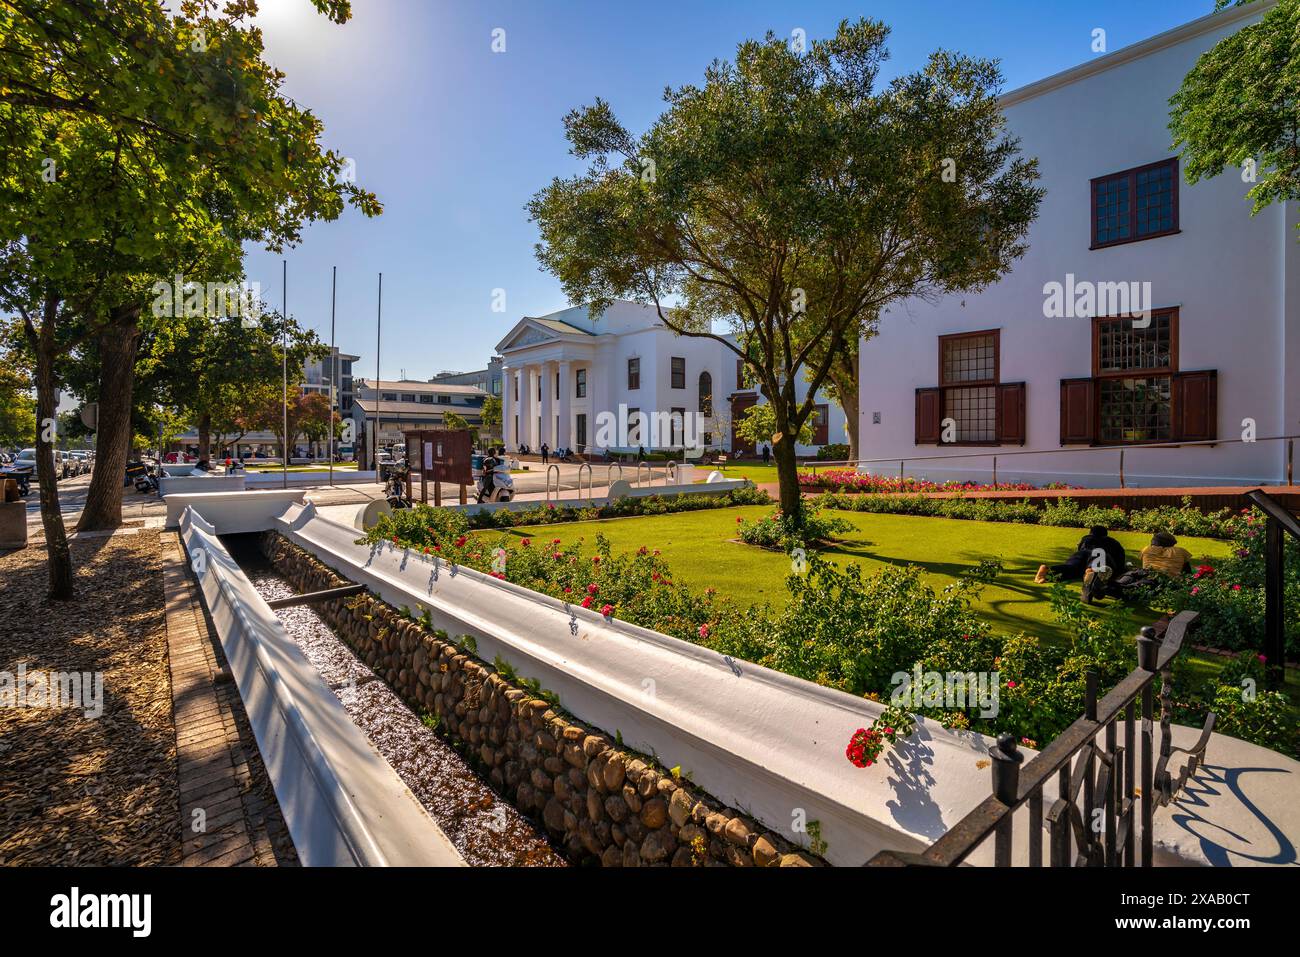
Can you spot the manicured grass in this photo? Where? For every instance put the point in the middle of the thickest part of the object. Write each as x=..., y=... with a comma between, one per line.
x=756, y=472
x=700, y=552
x=697, y=547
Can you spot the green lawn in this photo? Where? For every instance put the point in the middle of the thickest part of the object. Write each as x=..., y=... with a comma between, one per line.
x=697, y=547
x=699, y=550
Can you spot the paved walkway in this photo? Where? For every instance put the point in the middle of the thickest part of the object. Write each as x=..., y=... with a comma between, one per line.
x=229, y=815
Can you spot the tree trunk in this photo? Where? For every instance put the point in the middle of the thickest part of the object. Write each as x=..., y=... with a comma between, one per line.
x=58, y=556
x=117, y=346
x=787, y=473
x=205, y=436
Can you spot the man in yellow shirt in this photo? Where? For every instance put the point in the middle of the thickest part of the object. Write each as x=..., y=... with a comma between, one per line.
x=1166, y=556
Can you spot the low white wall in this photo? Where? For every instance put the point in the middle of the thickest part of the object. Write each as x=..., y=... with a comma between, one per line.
x=315, y=477
x=233, y=512
x=342, y=802
x=173, y=484
x=668, y=491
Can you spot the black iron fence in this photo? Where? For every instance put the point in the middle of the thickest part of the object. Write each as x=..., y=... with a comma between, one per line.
x=1107, y=788
x=1280, y=522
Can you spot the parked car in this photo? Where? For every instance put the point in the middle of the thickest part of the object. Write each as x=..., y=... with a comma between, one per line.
x=84, y=462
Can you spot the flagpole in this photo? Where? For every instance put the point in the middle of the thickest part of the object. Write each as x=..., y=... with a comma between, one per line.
x=284, y=367
x=334, y=365
x=379, y=325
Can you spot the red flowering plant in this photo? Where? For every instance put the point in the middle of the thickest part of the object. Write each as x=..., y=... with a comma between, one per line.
x=866, y=744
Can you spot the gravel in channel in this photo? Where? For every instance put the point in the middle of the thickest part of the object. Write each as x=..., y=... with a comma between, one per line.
x=485, y=828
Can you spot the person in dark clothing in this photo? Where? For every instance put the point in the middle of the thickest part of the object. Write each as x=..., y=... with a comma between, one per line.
x=1098, y=552
x=490, y=462
x=767, y=454
x=546, y=453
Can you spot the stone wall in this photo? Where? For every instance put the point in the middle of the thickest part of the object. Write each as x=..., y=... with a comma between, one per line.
x=600, y=802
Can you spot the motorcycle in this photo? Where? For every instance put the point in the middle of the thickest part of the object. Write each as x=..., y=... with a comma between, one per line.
x=144, y=477
x=395, y=488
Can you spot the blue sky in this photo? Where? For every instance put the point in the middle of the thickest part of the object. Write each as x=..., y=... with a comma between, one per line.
x=454, y=138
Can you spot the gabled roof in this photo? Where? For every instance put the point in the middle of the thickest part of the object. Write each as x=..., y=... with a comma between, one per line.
x=1134, y=51
x=530, y=330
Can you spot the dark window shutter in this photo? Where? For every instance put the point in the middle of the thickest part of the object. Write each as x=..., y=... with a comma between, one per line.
x=928, y=414
x=1077, y=405
x=1011, y=413
x=1195, y=405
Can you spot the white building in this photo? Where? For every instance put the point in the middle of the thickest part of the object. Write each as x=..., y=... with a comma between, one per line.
x=1219, y=355
x=404, y=404
x=566, y=376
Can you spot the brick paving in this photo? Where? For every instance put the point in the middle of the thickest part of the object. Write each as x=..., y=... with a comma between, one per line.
x=229, y=814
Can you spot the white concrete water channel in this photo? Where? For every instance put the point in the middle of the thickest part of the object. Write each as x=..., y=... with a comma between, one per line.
x=483, y=826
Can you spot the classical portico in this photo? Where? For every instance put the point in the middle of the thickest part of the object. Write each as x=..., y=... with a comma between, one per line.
x=540, y=375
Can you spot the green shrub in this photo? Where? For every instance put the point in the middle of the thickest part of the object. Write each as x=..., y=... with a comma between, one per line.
x=779, y=530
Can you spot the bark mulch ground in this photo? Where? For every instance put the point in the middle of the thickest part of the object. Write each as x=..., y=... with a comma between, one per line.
x=77, y=789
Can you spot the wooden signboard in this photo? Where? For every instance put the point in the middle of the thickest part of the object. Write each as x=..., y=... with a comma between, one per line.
x=438, y=455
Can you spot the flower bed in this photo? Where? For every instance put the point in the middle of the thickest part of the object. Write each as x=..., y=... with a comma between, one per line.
x=854, y=481
x=841, y=628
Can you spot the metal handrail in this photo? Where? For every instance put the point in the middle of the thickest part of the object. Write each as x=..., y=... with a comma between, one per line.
x=1106, y=775
x=670, y=472
x=650, y=473
x=556, y=470
x=587, y=466
x=609, y=473
x=1289, y=439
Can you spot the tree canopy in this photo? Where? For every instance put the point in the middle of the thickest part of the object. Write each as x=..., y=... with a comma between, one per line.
x=788, y=199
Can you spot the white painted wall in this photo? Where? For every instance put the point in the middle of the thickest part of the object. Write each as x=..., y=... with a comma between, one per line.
x=1236, y=280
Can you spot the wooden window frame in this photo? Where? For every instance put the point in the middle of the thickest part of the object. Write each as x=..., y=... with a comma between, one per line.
x=579, y=383
x=672, y=372
x=972, y=383
x=1098, y=375
x=1131, y=176
x=630, y=386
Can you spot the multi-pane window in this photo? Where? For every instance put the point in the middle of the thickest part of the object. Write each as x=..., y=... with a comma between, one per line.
x=1136, y=204
x=634, y=373
x=634, y=426
x=706, y=394
x=678, y=372
x=580, y=378
x=1134, y=362
x=968, y=378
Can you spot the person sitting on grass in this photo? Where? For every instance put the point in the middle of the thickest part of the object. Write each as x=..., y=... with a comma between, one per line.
x=1095, y=561
x=1166, y=556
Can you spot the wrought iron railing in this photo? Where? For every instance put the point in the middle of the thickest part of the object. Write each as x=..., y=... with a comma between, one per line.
x=1107, y=791
x=1279, y=521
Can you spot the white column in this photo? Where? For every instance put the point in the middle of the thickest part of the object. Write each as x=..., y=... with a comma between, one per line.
x=508, y=408
x=547, y=434
x=563, y=435
x=527, y=405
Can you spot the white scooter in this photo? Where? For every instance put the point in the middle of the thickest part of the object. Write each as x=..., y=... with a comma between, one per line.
x=503, y=486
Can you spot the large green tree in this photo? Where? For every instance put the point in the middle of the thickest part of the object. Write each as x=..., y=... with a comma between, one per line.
x=137, y=142
x=1239, y=107
x=17, y=407
x=788, y=200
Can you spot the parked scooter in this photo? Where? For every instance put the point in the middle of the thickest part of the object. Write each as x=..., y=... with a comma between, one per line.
x=144, y=477
x=503, y=486
x=22, y=476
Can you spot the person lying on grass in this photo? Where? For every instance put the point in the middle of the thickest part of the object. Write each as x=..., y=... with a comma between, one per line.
x=1098, y=559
